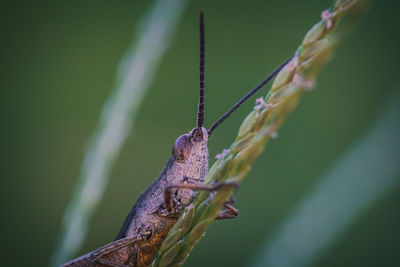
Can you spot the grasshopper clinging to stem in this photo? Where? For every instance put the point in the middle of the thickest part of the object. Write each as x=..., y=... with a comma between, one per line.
x=159, y=206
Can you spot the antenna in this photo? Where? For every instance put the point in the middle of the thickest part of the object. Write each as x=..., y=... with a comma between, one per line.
x=249, y=94
x=200, y=111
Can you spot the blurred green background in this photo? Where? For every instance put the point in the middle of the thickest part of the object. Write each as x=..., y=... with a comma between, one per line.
x=58, y=65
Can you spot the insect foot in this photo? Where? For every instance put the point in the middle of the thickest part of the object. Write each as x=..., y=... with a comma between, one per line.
x=229, y=212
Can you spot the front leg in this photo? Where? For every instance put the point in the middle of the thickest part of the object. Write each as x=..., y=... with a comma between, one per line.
x=229, y=212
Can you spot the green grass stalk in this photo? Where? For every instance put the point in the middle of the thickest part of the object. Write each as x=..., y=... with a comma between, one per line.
x=260, y=126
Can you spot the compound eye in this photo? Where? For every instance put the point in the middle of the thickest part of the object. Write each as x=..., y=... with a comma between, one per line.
x=181, y=149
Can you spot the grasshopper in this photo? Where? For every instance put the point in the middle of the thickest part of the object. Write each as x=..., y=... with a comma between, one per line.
x=159, y=206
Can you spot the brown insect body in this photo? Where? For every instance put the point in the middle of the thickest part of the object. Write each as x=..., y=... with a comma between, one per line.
x=150, y=220
x=150, y=217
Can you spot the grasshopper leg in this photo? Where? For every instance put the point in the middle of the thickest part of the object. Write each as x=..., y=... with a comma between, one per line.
x=229, y=212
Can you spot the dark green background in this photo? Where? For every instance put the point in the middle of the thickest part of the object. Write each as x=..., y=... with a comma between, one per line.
x=58, y=65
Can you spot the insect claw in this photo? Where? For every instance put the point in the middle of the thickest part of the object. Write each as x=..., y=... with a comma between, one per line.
x=228, y=213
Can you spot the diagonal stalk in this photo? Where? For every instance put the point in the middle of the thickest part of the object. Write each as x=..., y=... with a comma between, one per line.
x=260, y=126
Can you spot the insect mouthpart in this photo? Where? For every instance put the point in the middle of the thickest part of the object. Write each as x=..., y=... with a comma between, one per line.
x=197, y=134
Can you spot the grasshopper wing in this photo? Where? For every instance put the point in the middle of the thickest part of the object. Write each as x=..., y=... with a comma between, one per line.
x=120, y=253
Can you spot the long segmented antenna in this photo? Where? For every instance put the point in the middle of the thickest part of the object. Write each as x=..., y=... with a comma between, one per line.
x=249, y=94
x=200, y=110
